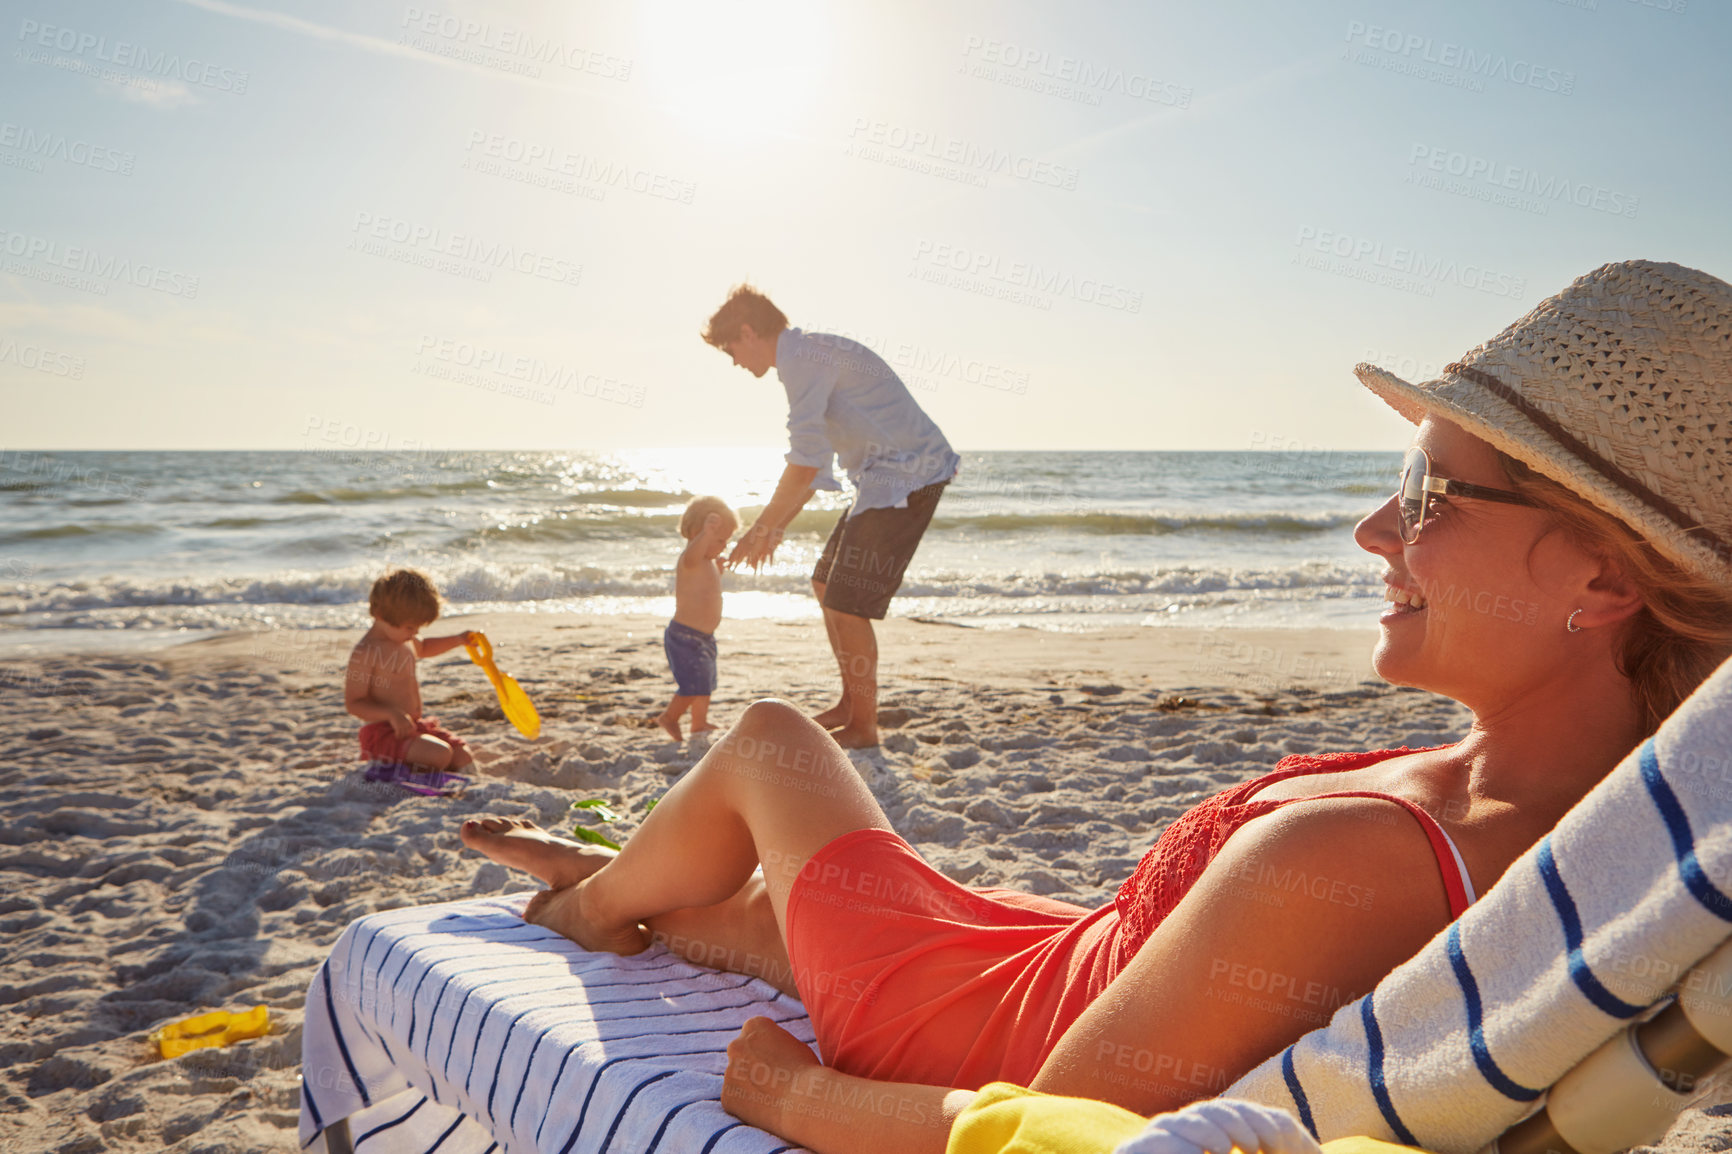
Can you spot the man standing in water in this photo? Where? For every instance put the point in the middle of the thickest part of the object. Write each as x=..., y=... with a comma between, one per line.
x=844, y=403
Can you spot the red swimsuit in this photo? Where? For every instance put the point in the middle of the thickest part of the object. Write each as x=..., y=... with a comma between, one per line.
x=910, y=977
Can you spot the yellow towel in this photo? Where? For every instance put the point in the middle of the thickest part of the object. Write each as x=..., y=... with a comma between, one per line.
x=1006, y=1119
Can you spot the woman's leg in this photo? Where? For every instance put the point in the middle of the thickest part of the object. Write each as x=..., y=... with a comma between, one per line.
x=521, y=844
x=739, y=934
x=774, y=791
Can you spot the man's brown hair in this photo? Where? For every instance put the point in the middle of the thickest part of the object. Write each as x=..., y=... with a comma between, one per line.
x=405, y=597
x=745, y=306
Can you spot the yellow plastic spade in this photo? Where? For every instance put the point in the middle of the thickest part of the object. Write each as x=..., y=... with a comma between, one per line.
x=218, y=1028
x=515, y=703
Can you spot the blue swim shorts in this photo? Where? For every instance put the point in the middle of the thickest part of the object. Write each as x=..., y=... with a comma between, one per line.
x=692, y=657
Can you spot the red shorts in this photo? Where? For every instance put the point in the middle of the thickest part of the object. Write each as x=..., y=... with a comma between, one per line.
x=380, y=743
x=910, y=977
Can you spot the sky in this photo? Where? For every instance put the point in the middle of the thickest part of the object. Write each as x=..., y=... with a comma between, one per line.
x=246, y=224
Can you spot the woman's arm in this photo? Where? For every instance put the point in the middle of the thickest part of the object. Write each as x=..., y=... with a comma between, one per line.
x=776, y=1083
x=1303, y=911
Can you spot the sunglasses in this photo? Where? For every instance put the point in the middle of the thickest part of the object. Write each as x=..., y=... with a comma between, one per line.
x=1420, y=489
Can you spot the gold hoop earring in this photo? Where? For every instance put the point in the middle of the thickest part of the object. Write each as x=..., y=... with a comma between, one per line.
x=1571, y=623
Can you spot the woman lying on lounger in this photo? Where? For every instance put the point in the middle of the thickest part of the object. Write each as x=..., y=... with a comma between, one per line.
x=1557, y=559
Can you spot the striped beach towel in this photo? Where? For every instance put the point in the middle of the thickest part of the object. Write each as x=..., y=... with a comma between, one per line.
x=463, y=1029
x=1584, y=932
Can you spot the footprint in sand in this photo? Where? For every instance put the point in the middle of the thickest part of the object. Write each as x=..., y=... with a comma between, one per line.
x=63, y=1072
x=52, y=984
x=41, y=863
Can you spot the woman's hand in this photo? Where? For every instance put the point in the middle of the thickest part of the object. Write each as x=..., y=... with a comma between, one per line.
x=775, y=1083
x=770, y=1073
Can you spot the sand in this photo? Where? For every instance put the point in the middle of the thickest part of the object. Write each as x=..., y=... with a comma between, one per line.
x=186, y=830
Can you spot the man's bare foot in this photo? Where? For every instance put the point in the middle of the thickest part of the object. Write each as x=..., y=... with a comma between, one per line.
x=837, y=714
x=671, y=725
x=521, y=844
x=562, y=911
x=848, y=737
x=697, y=729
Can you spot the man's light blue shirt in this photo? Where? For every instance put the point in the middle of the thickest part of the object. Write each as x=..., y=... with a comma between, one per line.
x=845, y=403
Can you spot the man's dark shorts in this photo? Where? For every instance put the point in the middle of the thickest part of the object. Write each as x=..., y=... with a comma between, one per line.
x=864, y=559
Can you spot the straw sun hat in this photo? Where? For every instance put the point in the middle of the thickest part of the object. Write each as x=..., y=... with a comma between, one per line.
x=1620, y=388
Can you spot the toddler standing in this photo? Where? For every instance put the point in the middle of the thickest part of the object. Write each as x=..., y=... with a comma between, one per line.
x=690, y=638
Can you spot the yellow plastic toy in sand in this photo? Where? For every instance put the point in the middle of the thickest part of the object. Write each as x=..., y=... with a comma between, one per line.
x=515, y=703
x=218, y=1028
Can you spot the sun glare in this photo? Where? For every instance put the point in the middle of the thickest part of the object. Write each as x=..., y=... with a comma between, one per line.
x=727, y=70
x=739, y=476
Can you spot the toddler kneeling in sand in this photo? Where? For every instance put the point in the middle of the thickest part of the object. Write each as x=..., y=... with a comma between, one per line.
x=690, y=638
x=381, y=687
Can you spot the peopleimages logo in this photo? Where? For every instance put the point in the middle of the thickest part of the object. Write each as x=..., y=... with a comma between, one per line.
x=43, y=145
x=1480, y=178
x=460, y=39
x=445, y=358
x=581, y=168
x=89, y=269
x=887, y=142
x=1420, y=50
x=41, y=359
x=462, y=253
x=1397, y=266
x=1066, y=77
x=125, y=54
x=1021, y=282
x=917, y=366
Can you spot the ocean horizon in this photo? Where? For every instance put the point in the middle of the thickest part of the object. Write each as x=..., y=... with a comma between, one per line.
x=116, y=548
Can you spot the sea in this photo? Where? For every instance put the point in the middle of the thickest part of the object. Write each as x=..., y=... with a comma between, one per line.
x=116, y=549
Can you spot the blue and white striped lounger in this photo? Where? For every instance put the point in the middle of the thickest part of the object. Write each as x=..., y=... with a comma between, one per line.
x=1585, y=932
x=461, y=1028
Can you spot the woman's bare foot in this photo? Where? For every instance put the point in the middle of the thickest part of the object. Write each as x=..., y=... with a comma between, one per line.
x=521, y=844
x=697, y=729
x=848, y=737
x=837, y=714
x=562, y=911
x=671, y=725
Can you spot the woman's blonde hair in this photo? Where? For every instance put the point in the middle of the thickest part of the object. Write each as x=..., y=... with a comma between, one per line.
x=1684, y=629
